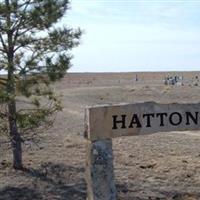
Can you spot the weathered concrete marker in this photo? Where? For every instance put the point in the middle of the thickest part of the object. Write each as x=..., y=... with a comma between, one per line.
x=99, y=170
x=102, y=123
x=141, y=118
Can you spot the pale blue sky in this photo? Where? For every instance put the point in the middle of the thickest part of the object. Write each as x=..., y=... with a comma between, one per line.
x=136, y=35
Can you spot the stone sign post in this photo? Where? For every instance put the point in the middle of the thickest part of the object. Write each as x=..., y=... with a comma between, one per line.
x=99, y=170
x=102, y=123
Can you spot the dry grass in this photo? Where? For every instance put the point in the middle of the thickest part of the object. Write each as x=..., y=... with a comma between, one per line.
x=162, y=166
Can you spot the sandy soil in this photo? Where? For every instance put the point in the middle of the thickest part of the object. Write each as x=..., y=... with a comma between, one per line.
x=162, y=166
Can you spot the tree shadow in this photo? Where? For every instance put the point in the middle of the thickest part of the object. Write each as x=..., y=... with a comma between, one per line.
x=127, y=192
x=14, y=193
x=48, y=182
x=55, y=178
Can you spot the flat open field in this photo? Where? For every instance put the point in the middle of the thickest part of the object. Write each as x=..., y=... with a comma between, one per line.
x=161, y=166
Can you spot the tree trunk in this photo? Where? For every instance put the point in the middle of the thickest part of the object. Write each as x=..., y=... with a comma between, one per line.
x=15, y=137
x=12, y=118
x=12, y=113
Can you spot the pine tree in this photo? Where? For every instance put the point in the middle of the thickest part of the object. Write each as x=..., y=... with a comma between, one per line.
x=34, y=52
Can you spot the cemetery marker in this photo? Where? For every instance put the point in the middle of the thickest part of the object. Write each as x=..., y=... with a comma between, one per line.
x=102, y=123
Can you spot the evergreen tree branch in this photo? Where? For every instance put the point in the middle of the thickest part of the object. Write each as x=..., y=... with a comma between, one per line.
x=2, y=50
x=17, y=27
x=3, y=44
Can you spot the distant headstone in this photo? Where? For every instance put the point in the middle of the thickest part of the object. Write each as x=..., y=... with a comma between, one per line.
x=176, y=80
x=136, y=77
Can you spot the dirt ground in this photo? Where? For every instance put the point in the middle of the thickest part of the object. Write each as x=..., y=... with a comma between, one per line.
x=161, y=166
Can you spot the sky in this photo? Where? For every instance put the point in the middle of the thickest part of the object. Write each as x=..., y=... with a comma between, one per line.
x=136, y=35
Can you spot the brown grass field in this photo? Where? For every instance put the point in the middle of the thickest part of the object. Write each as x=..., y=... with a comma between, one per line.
x=161, y=166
